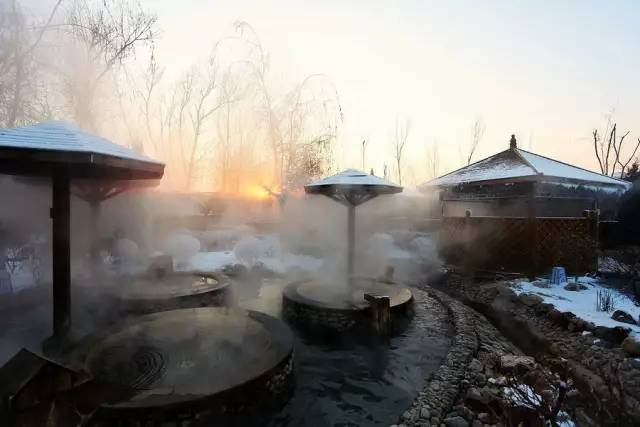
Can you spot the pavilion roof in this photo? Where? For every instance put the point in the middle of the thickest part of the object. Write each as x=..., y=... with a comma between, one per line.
x=352, y=186
x=39, y=148
x=517, y=164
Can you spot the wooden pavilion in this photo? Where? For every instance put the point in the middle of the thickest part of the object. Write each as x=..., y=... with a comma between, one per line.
x=75, y=161
x=527, y=212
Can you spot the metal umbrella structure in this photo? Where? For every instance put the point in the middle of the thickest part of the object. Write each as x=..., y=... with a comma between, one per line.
x=66, y=154
x=352, y=188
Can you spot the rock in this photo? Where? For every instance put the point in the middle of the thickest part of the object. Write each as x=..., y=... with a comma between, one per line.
x=456, y=422
x=580, y=325
x=474, y=396
x=541, y=283
x=475, y=366
x=408, y=415
x=548, y=395
x=484, y=417
x=582, y=419
x=542, y=309
x=614, y=335
x=624, y=317
x=631, y=346
x=464, y=412
x=476, y=423
x=531, y=300
x=575, y=287
x=573, y=397
x=511, y=363
x=602, y=343
x=558, y=318
x=425, y=414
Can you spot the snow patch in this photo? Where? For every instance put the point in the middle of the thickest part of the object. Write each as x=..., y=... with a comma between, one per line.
x=583, y=303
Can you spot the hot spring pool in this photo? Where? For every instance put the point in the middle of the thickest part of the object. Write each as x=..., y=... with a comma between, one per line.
x=342, y=381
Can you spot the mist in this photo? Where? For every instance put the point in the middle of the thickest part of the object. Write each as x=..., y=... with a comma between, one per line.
x=238, y=142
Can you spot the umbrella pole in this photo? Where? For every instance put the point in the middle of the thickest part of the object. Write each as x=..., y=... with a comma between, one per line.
x=61, y=213
x=351, y=230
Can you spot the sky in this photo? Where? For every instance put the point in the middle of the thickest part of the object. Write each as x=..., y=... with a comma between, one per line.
x=547, y=72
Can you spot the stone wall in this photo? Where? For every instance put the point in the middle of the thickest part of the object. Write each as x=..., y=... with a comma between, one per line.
x=474, y=338
x=608, y=380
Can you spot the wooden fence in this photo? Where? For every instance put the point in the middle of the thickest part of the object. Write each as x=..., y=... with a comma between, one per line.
x=527, y=245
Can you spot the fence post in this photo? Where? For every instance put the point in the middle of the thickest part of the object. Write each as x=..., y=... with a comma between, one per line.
x=533, y=230
x=595, y=235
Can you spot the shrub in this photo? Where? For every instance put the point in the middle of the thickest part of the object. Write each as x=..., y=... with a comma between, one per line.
x=605, y=300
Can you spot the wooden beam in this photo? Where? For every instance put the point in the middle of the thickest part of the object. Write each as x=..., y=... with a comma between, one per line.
x=61, y=215
x=380, y=313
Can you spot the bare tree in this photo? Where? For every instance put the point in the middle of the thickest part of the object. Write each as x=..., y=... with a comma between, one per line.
x=109, y=32
x=609, y=147
x=399, y=141
x=206, y=103
x=477, y=132
x=432, y=161
x=19, y=42
x=304, y=120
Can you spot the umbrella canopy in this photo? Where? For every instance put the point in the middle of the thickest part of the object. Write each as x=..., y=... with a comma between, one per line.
x=352, y=187
x=42, y=148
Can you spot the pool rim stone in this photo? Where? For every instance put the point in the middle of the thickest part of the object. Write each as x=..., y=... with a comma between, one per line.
x=302, y=311
x=218, y=295
x=263, y=393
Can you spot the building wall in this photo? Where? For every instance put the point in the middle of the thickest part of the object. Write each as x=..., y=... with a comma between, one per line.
x=513, y=200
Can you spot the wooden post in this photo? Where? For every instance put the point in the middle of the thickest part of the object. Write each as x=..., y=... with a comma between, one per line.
x=380, y=313
x=94, y=235
x=595, y=234
x=351, y=231
x=533, y=230
x=61, y=214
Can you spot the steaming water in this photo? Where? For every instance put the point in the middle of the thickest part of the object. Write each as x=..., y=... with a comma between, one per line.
x=339, y=382
x=344, y=382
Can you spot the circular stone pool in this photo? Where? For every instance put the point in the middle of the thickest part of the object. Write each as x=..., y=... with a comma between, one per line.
x=318, y=304
x=193, y=360
x=342, y=381
x=148, y=294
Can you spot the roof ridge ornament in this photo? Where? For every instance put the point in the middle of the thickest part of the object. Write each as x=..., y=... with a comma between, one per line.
x=512, y=142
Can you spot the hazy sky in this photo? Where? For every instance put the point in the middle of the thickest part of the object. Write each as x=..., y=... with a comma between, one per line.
x=546, y=71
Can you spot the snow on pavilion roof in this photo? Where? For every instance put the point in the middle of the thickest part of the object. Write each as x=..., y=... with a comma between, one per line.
x=352, y=187
x=353, y=177
x=516, y=163
x=62, y=136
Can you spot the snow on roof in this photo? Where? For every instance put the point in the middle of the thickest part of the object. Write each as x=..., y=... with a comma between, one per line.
x=353, y=177
x=555, y=168
x=499, y=166
x=517, y=163
x=62, y=136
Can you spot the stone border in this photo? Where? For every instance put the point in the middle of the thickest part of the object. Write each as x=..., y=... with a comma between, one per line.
x=267, y=392
x=434, y=401
x=213, y=296
x=474, y=335
x=304, y=312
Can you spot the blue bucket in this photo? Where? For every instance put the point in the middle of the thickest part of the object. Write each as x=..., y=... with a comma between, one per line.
x=558, y=276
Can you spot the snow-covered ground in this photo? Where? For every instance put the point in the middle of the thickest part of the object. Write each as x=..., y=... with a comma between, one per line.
x=583, y=303
x=210, y=261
